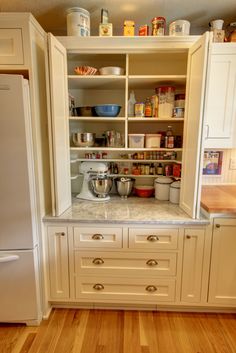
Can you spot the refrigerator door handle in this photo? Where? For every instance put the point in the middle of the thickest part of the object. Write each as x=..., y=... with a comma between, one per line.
x=9, y=258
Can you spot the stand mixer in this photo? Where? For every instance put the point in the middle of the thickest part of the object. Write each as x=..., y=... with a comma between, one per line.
x=98, y=171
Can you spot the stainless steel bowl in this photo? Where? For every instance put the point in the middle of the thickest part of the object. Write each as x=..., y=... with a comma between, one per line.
x=124, y=186
x=111, y=70
x=101, y=186
x=83, y=139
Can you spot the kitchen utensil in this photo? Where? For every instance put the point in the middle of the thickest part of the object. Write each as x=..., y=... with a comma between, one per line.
x=107, y=110
x=111, y=70
x=144, y=190
x=101, y=185
x=85, y=70
x=124, y=186
x=85, y=111
x=84, y=139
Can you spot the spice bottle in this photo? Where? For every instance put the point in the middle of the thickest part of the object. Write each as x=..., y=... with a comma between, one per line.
x=159, y=169
x=148, y=108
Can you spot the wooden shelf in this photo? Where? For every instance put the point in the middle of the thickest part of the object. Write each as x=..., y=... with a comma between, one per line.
x=154, y=120
x=152, y=81
x=96, y=118
x=77, y=149
x=120, y=160
x=96, y=82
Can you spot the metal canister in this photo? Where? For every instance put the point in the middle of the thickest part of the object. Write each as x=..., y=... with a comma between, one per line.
x=158, y=26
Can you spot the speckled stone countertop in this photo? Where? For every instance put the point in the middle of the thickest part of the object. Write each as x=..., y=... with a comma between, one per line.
x=133, y=210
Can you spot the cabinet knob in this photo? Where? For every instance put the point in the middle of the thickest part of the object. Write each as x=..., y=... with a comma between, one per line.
x=98, y=261
x=151, y=289
x=98, y=286
x=217, y=225
x=152, y=238
x=188, y=236
x=61, y=234
x=97, y=236
x=152, y=262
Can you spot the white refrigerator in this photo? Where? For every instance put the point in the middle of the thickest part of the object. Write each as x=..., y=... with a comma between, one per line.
x=19, y=246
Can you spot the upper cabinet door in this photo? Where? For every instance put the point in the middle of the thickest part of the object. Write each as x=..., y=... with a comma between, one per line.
x=220, y=103
x=58, y=124
x=192, y=144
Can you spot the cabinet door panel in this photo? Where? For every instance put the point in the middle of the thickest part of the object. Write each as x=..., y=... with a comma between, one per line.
x=192, y=265
x=60, y=158
x=11, y=46
x=192, y=144
x=222, y=287
x=220, y=102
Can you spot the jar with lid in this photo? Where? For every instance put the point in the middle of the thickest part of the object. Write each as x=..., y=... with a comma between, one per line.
x=162, y=188
x=148, y=108
x=166, y=96
x=78, y=22
x=175, y=191
x=158, y=26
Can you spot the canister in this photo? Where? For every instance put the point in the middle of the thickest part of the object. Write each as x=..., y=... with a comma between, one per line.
x=162, y=188
x=179, y=28
x=78, y=22
x=175, y=191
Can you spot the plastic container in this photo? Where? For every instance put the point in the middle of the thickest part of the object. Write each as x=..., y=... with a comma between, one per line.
x=152, y=140
x=78, y=22
x=175, y=191
x=162, y=188
x=179, y=28
x=136, y=140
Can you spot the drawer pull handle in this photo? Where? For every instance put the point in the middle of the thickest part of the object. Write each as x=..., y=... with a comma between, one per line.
x=98, y=286
x=217, y=225
x=188, y=236
x=152, y=238
x=98, y=261
x=97, y=237
x=152, y=262
x=60, y=234
x=151, y=289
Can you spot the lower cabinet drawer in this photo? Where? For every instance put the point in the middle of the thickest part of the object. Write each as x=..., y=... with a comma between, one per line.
x=149, y=290
x=97, y=237
x=156, y=238
x=129, y=264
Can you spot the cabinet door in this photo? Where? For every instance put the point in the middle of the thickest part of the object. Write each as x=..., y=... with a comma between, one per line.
x=11, y=46
x=58, y=127
x=222, y=289
x=192, y=144
x=192, y=265
x=220, y=104
x=58, y=262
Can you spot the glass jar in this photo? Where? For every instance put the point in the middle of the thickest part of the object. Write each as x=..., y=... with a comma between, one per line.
x=166, y=95
x=158, y=26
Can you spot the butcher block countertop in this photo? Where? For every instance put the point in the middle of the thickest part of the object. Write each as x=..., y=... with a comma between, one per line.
x=219, y=198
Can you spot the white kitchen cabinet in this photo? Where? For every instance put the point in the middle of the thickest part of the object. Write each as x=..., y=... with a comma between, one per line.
x=58, y=262
x=11, y=44
x=148, y=62
x=222, y=287
x=220, y=104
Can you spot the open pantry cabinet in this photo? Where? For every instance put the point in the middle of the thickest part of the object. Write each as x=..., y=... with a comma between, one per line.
x=148, y=63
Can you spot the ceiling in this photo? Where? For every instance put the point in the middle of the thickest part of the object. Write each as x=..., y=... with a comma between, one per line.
x=51, y=14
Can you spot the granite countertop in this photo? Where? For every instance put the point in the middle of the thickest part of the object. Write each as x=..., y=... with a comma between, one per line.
x=219, y=199
x=132, y=210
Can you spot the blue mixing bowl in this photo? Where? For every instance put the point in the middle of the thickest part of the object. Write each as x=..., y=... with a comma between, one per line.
x=107, y=110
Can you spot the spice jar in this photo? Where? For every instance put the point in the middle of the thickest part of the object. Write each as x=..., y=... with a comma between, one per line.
x=158, y=26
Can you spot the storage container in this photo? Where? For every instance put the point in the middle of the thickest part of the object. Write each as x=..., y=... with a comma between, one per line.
x=166, y=98
x=162, y=188
x=175, y=191
x=152, y=140
x=136, y=140
x=78, y=22
x=179, y=28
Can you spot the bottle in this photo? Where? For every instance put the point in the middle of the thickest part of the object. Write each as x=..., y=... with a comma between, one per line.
x=169, y=138
x=159, y=169
x=148, y=108
x=152, y=169
x=131, y=103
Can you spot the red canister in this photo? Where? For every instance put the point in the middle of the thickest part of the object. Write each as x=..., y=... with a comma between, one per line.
x=158, y=26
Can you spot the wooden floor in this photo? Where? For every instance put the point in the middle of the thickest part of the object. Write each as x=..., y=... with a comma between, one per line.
x=99, y=331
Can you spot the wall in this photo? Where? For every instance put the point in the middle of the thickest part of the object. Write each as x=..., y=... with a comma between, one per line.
x=227, y=176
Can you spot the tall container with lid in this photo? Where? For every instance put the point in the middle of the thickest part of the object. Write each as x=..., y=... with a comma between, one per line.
x=78, y=22
x=162, y=188
x=166, y=96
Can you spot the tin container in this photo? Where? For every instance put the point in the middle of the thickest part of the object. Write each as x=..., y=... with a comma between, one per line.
x=139, y=110
x=105, y=30
x=143, y=30
x=78, y=22
x=158, y=26
x=129, y=28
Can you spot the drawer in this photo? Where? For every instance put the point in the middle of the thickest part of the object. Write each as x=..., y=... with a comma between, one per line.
x=120, y=264
x=97, y=237
x=11, y=47
x=149, y=290
x=156, y=238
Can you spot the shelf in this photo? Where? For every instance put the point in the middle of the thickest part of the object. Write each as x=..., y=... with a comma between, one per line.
x=96, y=82
x=155, y=120
x=152, y=81
x=120, y=160
x=142, y=176
x=96, y=119
x=77, y=149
